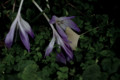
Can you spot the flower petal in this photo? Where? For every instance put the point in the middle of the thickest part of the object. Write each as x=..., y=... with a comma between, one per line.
x=68, y=51
x=71, y=24
x=62, y=33
x=68, y=45
x=63, y=26
x=10, y=35
x=66, y=18
x=24, y=36
x=27, y=27
x=64, y=46
x=61, y=58
x=53, y=20
x=50, y=46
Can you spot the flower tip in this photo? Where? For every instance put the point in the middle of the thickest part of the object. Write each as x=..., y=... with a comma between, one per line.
x=48, y=51
x=53, y=20
x=28, y=50
x=61, y=58
x=78, y=30
x=72, y=17
x=32, y=34
x=8, y=43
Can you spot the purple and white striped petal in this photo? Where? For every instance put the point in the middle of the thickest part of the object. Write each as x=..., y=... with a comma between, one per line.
x=62, y=33
x=27, y=27
x=63, y=26
x=68, y=45
x=61, y=58
x=10, y=35
x=24, y=37
x=68, y=51
x=53, y=20
x=50, y=46
x=66, y=18
x=71, y=24
x=63, y=45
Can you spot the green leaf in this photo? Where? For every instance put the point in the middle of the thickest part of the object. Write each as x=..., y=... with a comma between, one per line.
x=92, y=73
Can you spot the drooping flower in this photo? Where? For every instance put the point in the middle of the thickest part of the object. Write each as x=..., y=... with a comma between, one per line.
x=60, y=38
x=63, y=44
x=24, y=29
x=64, y=22
x=61, y=24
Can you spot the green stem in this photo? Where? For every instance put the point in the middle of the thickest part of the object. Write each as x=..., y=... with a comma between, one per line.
x=89, y=31
x=40, y=9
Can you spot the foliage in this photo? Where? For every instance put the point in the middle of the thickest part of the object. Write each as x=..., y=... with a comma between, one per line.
x=96, y=58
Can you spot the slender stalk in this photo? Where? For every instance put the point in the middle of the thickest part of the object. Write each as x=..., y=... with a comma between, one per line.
x=20, y=6
x=89, y=31
x=51, y=25
x=40, y=9
x=47, y=4
x=18, y=14
x=14, y=6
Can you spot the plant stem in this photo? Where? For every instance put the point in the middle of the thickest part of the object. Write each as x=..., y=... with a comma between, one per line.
x=43, y=14
x=88, y=31
x=51, y=25
x=14, y=6
x=20, y=6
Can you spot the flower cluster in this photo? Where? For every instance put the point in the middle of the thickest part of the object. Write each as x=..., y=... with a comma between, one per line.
x=59, y=35
x=24, y=29
x=61, y=38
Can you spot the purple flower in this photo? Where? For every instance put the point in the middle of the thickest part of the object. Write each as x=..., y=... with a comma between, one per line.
x=24, y=29
x=64, y=44
x=64, y=22
x=61, y=38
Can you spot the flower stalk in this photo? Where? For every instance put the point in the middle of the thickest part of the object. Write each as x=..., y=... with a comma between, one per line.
x=40, y=9
x=59, y=36
x=23, y=27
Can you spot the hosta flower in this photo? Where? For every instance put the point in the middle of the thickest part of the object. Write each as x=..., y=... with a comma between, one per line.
x=61, y=38
x=64, y=22
x=24, y=29
x=63, y=44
